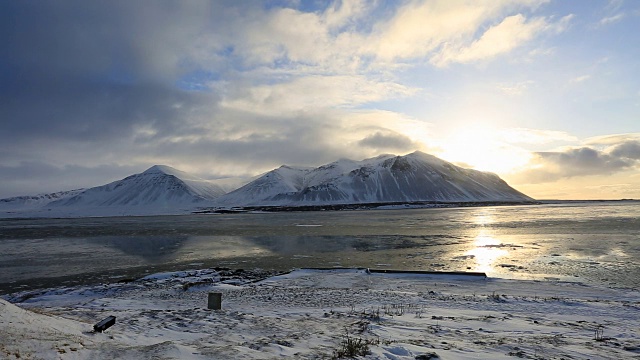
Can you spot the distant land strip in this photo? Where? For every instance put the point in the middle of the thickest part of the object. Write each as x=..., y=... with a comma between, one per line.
x=361, y=206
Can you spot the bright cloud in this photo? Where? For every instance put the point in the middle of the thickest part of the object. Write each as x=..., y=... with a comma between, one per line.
x=498, y=39
x=535, y=136
x=315, y=91
x=611, y=19
x=609, y=140
x=581, y=78
x=516, y=89
x=444, y=31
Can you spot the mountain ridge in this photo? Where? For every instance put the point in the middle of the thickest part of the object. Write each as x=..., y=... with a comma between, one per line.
x=387, y=178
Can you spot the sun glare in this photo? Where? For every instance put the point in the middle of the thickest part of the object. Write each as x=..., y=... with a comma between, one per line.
x=486, y=248
x=483, y=149
x=486, y=252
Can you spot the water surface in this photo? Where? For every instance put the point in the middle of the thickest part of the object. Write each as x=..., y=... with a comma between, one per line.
x=590, y=242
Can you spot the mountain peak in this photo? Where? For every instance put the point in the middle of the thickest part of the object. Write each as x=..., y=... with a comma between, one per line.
x=417, y=153
x=164, y=169
x=168, y=170
x=421, y=155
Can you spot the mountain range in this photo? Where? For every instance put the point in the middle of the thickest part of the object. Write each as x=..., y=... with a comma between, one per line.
x=383, y=179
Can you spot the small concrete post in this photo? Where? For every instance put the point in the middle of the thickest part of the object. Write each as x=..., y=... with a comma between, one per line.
x=215, y=301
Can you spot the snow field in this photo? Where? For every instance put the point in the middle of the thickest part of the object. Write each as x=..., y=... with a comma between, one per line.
x=311, y=314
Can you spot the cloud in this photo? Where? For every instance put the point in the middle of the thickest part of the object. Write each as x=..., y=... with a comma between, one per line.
x=343, y=13
x=82, y=77
x=583, y=161
x=613, y=5
x=628, y=150
x=540, y=52
x=620, y=189
x=79, y=40
x=597, y=156
x=30, y=178
x=94, y=112
x=257, y=143
x=580, y=79
x=237, y=142
x=611, y=19
x=515, y=89
x=419, y=28
x=534, y=136
x=225, y=87
x=561, y=25
x=444, y=31
x=389, y=141
x=573, y=162
x=326, y=91
x=344, y=37
x=324, y=40
x=609, y=140
x=625, y=146
x=501, y=38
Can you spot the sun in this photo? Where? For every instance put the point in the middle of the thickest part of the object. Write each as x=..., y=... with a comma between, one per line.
x=483, y=148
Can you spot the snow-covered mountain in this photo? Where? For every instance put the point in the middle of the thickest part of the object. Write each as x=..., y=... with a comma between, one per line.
x=159, y=190
x=386, y=178
x=231, y=183
x=22, y=203
x=383, y=179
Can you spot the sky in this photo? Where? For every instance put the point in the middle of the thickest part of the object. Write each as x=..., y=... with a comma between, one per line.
x=543, y=93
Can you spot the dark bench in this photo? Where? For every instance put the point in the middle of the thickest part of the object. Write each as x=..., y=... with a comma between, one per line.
x=104, y=324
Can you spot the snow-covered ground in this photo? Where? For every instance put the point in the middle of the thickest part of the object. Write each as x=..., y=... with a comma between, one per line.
x=323, y=314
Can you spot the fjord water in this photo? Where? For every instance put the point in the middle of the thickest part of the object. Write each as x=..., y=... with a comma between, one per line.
x=586, y=242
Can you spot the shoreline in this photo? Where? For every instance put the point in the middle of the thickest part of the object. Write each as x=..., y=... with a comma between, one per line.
x=399, y=205
x=43, y=213
x=18, y=215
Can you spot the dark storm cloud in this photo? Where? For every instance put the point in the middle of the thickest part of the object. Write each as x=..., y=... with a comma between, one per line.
x=88, y=71
x=629, y=150
x=93, y=83
x=584, y=161
x=93, y=112
x=388, y=141
x=29, y=178
x=305, y=139
x=89, y=83
x=98, y=39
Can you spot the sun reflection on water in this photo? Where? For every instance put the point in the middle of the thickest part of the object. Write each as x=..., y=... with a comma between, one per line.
x=487, y=249
x=483, y=218
x=486, y=252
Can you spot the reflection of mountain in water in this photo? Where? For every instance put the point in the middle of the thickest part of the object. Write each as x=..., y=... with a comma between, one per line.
x=158, y=249
x=153, y=249
x=303, y=244
x=326, y=244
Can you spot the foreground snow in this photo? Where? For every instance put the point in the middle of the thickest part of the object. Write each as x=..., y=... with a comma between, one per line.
x=314, y=314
